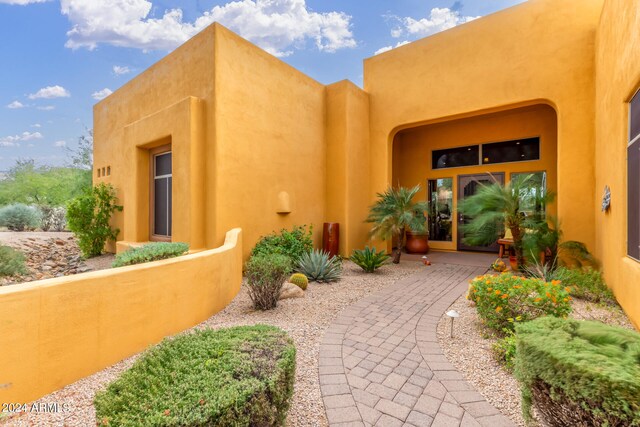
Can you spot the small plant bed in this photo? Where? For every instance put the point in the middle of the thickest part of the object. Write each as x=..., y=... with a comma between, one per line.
x=228, y=377
x=476, y=348
x=150, y=252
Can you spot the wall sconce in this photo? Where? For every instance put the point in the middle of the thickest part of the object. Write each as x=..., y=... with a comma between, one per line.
x=606, y=199
x=284, y=203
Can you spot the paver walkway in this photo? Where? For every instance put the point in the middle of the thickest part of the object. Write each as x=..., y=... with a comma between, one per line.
x=380, y=363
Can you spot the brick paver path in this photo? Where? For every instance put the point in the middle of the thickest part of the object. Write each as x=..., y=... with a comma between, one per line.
x=380, y=363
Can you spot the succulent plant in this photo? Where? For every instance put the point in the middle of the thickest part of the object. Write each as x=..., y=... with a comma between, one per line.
x=319, y=266
x=368, y=259
x=300, y=280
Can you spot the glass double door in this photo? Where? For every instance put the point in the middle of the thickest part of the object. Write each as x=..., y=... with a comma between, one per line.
x=468, y=185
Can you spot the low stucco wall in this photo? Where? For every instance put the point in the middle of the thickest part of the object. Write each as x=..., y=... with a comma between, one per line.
x=54, y=332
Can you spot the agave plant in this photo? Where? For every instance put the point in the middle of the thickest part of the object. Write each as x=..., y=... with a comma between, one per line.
x=319, y=266
x=494, y=206
x=368, y=259
x=395, y=213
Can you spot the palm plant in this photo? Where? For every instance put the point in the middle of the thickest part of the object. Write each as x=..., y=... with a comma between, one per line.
x=394, y=213
x=496, y=206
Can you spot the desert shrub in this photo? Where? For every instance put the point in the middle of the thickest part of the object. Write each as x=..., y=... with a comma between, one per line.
x=504, y=349
x=12, y=262
x=300, y=280
x=19, y=217
x=319, y=266
x=585, y=284
x=239, y=376
x=503, y=299
x=292, y=243
x=368, y=259
x=89, y=215
x=265, y=276
x=53, y=218
x=579, y=372
x=150, y=252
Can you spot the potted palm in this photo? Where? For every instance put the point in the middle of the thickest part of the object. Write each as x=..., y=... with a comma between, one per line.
x=395, y=213
x=496, y=206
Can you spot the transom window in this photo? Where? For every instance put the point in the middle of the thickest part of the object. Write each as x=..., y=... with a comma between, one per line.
x=633, y=179
x=517, y=150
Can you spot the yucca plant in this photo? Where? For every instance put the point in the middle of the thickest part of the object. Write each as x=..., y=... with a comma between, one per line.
x=368, y=259
x=395, y=213
x=319, y=266
x=496, y=206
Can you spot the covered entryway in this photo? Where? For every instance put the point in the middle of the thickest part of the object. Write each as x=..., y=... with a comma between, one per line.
x=451, y=158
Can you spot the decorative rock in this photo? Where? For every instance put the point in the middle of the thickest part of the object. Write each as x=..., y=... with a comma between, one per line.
x=289, y=290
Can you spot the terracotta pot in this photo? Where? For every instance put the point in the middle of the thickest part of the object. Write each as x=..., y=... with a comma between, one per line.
x=331, y=238
x=513, y=261
x=417, y=243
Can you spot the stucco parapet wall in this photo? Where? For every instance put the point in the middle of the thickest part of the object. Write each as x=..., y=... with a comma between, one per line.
x=56, y=331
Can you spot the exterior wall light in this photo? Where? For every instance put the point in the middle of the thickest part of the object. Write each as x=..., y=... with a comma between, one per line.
x=452, y=314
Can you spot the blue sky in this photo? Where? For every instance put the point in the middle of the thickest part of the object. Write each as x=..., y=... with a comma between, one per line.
x=60, y=57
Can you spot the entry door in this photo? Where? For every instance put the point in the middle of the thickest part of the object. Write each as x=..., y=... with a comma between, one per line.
x=161, y=196
x=467, y=186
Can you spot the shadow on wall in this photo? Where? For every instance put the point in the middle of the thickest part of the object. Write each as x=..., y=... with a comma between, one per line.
x=54, y=332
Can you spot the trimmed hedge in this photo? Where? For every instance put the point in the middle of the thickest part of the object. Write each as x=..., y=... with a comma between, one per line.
x=229, y=377
x=579, y=372
x=503, y=300
x=150, y=252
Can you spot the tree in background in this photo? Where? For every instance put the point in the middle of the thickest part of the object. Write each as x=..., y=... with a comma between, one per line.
x=82, y=159
x=31, y=184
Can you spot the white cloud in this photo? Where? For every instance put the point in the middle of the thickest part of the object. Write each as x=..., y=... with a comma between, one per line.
x=50, y=92
x=60, y=144
x=119, y=71
x=46, y=108
x=22, y=2
x=101, y=94
x=439, y=19
x=14, y=140
x=36, y=125
x=15, y=105
x=388, y=48
x=277, y=26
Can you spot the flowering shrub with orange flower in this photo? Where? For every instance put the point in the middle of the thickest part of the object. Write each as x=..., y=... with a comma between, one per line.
x=504, y=299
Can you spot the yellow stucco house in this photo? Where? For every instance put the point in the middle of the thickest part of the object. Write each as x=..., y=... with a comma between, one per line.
x=220, y=134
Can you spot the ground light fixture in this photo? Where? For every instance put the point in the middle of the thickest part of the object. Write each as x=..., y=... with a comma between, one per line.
x=452, y=314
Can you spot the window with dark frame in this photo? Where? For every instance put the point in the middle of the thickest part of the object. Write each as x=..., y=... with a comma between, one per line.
x=519, y=150
x=162, y=185
x=633, y=179
x=455, y=157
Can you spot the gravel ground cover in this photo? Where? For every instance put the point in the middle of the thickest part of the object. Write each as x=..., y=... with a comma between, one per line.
x=305, y=319
x=470, y=351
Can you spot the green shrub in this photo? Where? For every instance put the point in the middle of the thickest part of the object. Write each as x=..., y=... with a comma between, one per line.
x=12, y=262
x=585, y=284
x=19, y=217
x=265, y=276
x=292, y=243
x=318, y=266
x=504, y=299
x=504, y=349
x=579, y=372
x=300, y=280
x=368, y=259
x=150, y=252
x=239, y=376
x=88, y=217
